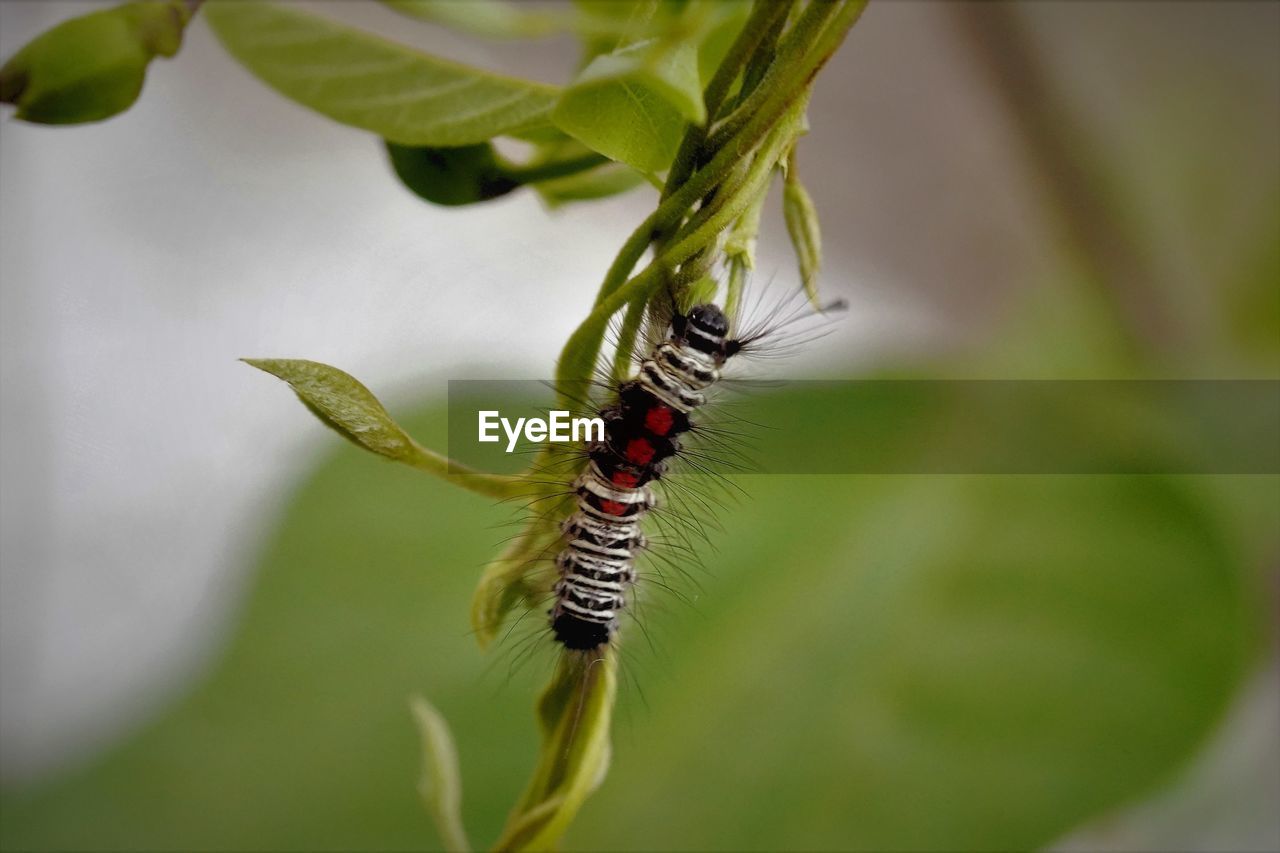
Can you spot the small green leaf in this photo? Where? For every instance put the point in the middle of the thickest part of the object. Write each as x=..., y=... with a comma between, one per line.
x=574, y=714
x=451, y=176
x=359, y=79
x=342, y=403
x=441, y=783
x=351, y=410
x=632, y=105
x=92, y=67
x=802, y=225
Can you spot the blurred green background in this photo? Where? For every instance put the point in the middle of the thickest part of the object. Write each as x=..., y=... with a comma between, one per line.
x=872, y=662
x=869, y=662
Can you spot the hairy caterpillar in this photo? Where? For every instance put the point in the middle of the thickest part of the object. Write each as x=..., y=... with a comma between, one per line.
x=642, y=430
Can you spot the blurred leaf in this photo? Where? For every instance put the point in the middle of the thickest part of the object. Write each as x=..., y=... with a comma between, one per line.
x=441, y=784
x=488, y=18
x=873, y=662
x=606, y=25
x=601, y=24
x=1252, y=297
x=1057, y=327
x=958, y=675
x=803, y=227
x=474, y=173
x=574, y=715
x=632, y=104
x=91, y=67
x=360, y=79
x=728, y=20
x=451, y=176
x=351, y=410
x=602, y=182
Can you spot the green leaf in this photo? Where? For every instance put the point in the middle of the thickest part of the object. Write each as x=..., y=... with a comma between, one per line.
x=351, y=410
x=441, y=783
x=605, y=25
x=488, y=18
x=92, y=67
x=500, y=19
x=451, y=176
x=632, y=105
x=342, y=403
x=360, y=79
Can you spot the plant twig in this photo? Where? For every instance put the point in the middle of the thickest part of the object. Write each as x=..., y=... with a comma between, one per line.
x=1069, y=173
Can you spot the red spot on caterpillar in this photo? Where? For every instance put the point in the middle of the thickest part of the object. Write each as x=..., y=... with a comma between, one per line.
x=625, y=479
x=613, y=507
x=639, y=451
x=658, y=420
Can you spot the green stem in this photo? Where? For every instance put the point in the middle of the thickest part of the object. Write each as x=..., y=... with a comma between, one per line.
x=765, y=16
x=803, y=51
x=579, y=354
x=706, y=226
x=731, y=150
x=497, y=486
x=801, y=54
x=759, y=63
x=535, y=172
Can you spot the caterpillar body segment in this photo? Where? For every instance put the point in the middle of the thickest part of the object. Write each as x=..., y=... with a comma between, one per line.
x=596, y=565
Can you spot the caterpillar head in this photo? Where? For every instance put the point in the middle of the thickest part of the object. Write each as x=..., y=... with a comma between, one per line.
x=706, y=329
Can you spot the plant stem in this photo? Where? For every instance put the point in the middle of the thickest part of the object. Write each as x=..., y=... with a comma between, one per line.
x=535, y=172
x=727, y=191
x=765, y=15
x=801, y=54
x=750, y=130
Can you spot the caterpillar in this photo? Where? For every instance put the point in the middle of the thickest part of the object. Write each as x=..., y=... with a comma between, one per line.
x=642, y=431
